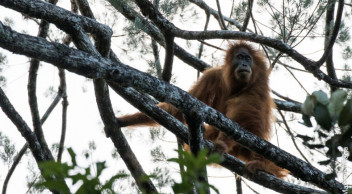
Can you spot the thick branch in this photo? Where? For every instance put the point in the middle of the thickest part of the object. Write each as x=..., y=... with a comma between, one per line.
x=107, y=114
x=62, y=18
x=147, y=105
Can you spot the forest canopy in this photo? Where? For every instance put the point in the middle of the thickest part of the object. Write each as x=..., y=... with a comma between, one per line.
x=106, y=58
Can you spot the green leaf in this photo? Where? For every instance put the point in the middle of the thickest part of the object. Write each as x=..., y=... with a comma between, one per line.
x=100, y=167
x=306, y=120
x=322, y=117
x=73, y=156
x=56, y=185
x=308, y=105
x=336, y=103
x=346, y=114
x=109, y=184
x=321, y=97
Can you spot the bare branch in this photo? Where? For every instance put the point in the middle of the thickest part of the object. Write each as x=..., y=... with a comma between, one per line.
x=32, y=88
x=154, y=32
x=16, y=161
x=107, y=114
x=169, y=57
x=288, y=106
x=26, y=132
x=248, y=15
x=64, y=113
x=333, y=35
x=213, y=12
x=329, y=22
x=292, y=137
x=220, y=19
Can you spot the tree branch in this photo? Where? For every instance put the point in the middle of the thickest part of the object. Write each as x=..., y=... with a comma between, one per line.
x=213, y=12
x=329, y=22
x=333, y=36
x=147, y=106
x=248, y=15
x=169, y=57
x=164, y=25
x=156, y=35
x=288, y=106
x=16, y=161
x=62, y=18
x=64, y=113
x=32, y=96
x=220, y=19
x=112, y=128
x=26, y=132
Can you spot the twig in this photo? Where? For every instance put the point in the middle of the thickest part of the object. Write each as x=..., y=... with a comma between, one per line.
x=292, y=137
x=214, y=13
x=297, y=80
x=329, y=21
x=213, y=46
x=63, y=88
x=283, y=97
x=16, y=161
x=26, y=132
x=156, y=35
x=32, y=97
x=238, y=184
x=202, y=42
x=156, y=58
x=221, y=19
x=169, y=57
x=248, y=15
x=333, y=36
x=64, y=113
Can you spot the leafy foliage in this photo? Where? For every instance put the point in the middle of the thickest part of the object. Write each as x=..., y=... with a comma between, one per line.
x=195, y=166
x=90, y=182
x=330, y=114
x=3, y=61
x=7, y=149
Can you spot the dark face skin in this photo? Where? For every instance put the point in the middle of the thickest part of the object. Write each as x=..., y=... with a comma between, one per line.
x=242, y=65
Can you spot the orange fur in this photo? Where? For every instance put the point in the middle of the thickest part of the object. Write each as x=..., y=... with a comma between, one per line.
x=246, y=102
